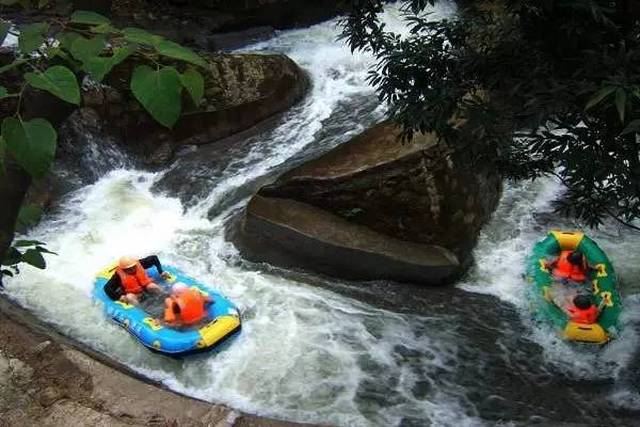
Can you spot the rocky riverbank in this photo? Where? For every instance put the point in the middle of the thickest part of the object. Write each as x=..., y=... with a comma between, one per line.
x=48, y=380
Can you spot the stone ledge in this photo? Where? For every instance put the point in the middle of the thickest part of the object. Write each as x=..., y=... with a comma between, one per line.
x=291, y=233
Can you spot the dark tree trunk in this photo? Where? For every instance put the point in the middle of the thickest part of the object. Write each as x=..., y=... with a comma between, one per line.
x=14, y=183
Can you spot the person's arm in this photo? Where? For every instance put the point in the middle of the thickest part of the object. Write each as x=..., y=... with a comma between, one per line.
x=151, y=261
x=113, y=288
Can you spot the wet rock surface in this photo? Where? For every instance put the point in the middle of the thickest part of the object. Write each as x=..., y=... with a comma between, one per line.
x=375, y=201
x=45, y=381
x=240, y=92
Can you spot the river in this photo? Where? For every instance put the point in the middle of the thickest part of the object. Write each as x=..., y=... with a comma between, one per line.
x=322, y=350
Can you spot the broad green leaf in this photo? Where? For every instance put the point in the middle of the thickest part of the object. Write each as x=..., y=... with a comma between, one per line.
x=634, y=126
x=99, y=67
x=158, y=92
x=32, y=143
x=25, y=243
x=4, y=30
x=29, y=215
x=8, y=2
x=599, y=96
x=31, y=37
x=34, y=258
x=43, y=3
x=3, y=92
x=103, y=29
x=175, y=51
x=194, y=83
x=82, y=49
x=136, y=35
x=121, y=53
x=621, y=101
x=58, y=80
x=67, y=39
x=45, y=250
x=88, y=17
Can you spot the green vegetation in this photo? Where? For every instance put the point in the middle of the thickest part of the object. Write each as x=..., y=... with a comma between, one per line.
x=55, y=56
x=543, y=88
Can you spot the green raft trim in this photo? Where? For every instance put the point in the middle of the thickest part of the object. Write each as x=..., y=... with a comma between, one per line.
x=603, y=281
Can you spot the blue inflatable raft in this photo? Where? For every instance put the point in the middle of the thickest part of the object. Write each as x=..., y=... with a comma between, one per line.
x=224, y=317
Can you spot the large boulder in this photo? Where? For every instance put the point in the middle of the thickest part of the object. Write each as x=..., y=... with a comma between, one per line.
x=241, y=90
x=374, y=208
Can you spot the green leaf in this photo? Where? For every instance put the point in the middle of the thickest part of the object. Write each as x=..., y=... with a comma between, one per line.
x=25, y=243
x=599, y=96
x=122, y=53
x=105, y=28
x=158, y=92
x=88, y=17
x=31, y=37
x=175, y=51
x=67, y=39
x=632, y=127
x=28, y=215
x=45, y=250
x=34, y=258
x=194, y=83
x=136, y=35
x=43, y=3
x=8, y=2
x=621, y=101
x=32, y=143
x=58, y=80
x=99, y=67
x=3, y=92
x=82, y=49
x=4, y=30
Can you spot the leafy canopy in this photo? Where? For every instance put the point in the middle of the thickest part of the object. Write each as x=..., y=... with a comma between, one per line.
x=54, y=56
x=543, y=88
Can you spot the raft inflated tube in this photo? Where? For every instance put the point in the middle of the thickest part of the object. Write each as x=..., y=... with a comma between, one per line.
x=603, y=287
x=225, y=317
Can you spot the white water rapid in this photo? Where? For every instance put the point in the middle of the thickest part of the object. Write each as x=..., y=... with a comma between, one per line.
x=309, y=353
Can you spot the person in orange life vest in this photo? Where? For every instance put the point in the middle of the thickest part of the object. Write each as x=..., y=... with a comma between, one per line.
x=570, y=266
x=583, y=310
x=185, y=306
x=130, y=279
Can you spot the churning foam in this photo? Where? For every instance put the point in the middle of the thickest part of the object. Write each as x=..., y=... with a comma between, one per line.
x=305, y=353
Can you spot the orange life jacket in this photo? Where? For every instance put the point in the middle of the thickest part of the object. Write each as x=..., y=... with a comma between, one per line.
x=134, y=283
x=587, y=316
x=191, y=305
x=565, y=270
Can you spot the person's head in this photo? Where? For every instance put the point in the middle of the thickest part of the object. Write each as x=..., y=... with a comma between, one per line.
x=576, y=258
x=583, y=302
x=128, y=264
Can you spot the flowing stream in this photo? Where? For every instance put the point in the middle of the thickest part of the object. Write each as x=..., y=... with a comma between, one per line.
x=321, y=350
